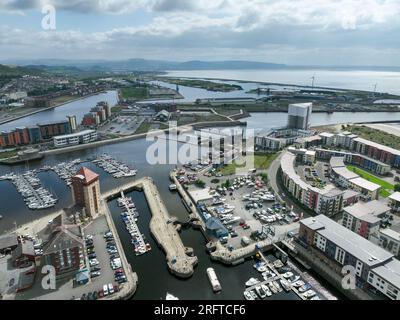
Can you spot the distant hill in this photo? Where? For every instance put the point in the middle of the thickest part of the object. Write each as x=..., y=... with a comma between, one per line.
x=71, y=66
x=147, y=65
x=17, y=70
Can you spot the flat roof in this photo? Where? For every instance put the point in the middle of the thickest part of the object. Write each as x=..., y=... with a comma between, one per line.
x=345, y=173
x=365, y=184
x=8, y=240
x=395, y=196
x=349, y=193
x=73, y=135
x=336, y=162
x=201, y=194
x=359, y=247
x=326, y=134
x=390, y=233
x=390, y=272
x=377, y=145
x=362, y=212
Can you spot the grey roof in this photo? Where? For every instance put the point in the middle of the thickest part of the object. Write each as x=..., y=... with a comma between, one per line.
x=336, y=162
x=214, y=224
x=390, y=272
x=348, y=193
x=377, y=146
x=377, y=207
x=8, y=241
x=359, y=247
x=345, y=173
x=365, y=184
x=395, y=196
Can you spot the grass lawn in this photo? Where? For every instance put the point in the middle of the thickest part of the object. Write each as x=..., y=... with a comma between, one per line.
x=261, y=162
x=386, y=186
x=8, y=154
x=144, y=127
x=137, y=93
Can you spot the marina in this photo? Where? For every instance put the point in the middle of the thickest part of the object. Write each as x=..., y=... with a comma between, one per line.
x=114, y=167
x=129, y=216
x=65, y=170
x=277, y=278
x=28, y=185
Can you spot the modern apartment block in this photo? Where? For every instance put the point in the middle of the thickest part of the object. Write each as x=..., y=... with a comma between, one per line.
x=376, y=151
x=86, y=191
x=73, y=139
x=394, y=201
x=364, y=218
x=299, y=116
x=50, y=130
x=374, y=266
x=349, y=179
x=327, y=201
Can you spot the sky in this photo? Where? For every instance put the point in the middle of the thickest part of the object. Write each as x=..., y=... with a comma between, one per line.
x=296, y=32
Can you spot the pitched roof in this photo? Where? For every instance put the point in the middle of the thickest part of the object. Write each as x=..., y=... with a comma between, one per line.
x=86, y=174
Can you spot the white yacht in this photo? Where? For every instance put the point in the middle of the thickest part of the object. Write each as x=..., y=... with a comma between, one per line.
x=252, y=282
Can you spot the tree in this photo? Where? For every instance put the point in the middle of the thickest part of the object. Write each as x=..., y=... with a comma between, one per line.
x=397, y=187
x=200, y=183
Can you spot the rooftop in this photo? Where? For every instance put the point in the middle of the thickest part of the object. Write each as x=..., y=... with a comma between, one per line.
x=336, y=162
x=357, y=246
x=377, y=146
x=345, y=173
x=365, y=184
x=73, y=135
x=390, y=272
x=86, y=174
x=395, y=196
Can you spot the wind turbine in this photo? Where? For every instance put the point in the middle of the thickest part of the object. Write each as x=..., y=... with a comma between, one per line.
x=313, y=80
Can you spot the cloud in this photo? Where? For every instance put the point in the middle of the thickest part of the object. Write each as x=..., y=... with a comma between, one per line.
x=211, y=28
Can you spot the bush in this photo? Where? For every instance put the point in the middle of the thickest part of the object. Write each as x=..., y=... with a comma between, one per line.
x=200, y=183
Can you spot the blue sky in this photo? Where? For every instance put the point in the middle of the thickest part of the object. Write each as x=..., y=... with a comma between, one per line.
x=326, y=32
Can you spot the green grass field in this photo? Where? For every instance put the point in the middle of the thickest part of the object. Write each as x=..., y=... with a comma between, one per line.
x=386, y=186
x=137, y=93
x=261, y=162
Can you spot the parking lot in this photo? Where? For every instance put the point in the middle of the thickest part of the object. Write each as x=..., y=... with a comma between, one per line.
x=123, y=125
x=67, y=289
x=248, y=209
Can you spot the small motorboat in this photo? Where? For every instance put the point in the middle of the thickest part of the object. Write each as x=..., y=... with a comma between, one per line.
x=248, y=295
x=252, y=282
x=170, y=296
x=309, y=294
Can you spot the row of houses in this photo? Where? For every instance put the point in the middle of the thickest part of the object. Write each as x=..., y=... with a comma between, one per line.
x=349, y=179
x=370, y=149
x=327, y=200
x=34, y=134
x=82, y=137
x=97, y=115
x=374, y=266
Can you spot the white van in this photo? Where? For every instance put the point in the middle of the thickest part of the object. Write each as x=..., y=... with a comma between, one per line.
x=105, y=290
x=110, y=288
